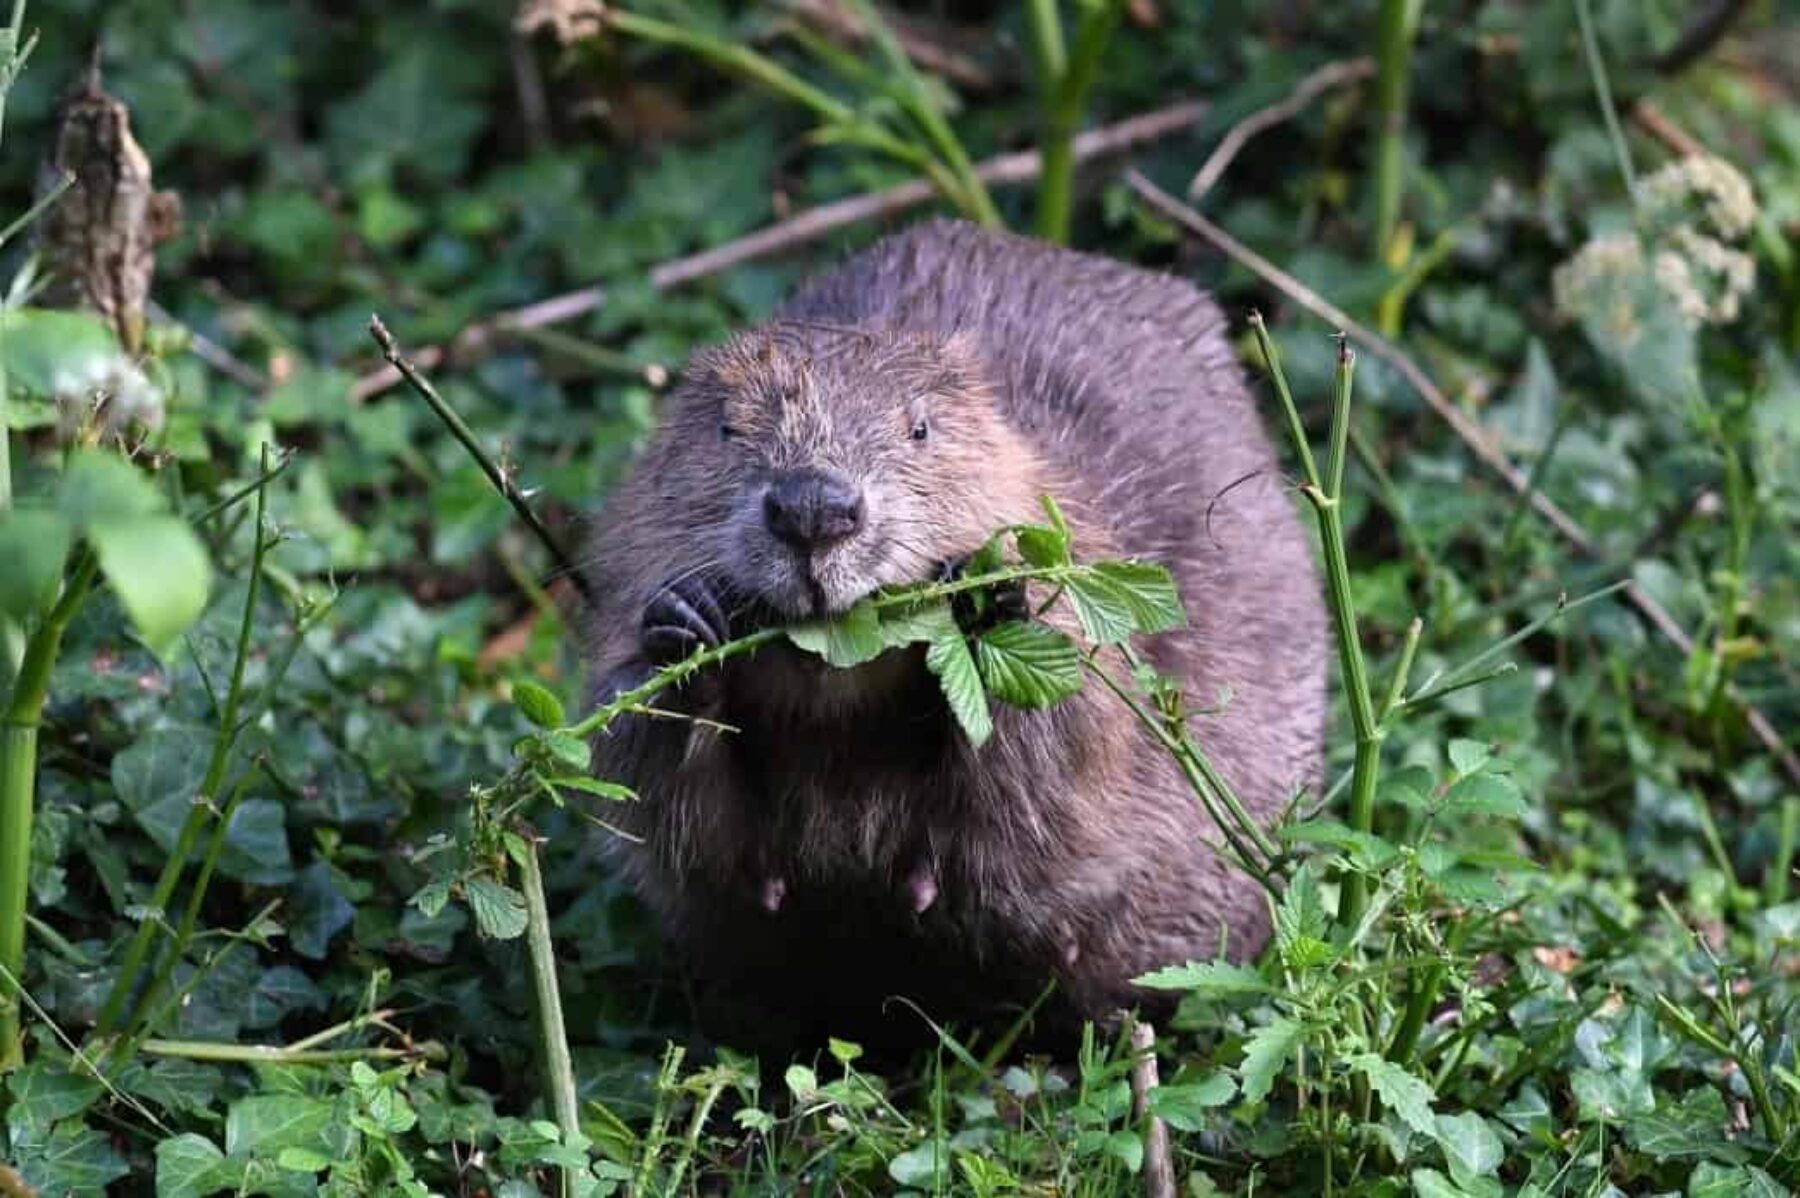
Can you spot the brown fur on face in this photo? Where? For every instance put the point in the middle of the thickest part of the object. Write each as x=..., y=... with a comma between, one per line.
x=846, y=842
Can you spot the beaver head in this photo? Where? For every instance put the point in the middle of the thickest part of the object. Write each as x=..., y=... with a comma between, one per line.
x=837, y=461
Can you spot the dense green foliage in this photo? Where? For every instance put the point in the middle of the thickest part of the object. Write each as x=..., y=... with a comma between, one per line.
x=335, y=678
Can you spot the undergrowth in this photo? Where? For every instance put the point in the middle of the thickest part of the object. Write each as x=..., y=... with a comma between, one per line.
x=296, y=874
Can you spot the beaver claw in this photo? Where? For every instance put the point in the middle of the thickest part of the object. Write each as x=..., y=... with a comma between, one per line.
x=685, y=616
x=979, y=610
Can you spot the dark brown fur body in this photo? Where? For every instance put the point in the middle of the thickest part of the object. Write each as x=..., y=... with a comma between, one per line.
x=1068, y=847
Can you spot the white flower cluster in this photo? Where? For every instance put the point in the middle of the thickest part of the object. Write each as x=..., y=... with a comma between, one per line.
x=1704, y=185
x=1674, y=263
x=107, y=390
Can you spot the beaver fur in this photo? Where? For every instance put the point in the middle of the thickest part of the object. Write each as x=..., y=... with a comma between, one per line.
x=839, y=841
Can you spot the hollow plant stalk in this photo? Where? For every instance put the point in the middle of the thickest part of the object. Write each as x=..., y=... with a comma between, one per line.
x=1399, y=18
x=1065, y=77
x=553, y=1035
x=18, y=775
x=1325, y=493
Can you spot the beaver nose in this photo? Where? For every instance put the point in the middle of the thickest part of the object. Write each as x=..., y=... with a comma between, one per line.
x=810, y=509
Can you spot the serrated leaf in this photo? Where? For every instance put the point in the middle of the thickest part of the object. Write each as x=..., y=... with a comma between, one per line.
x=1407, y=1096
x=499, y=910
x=1265, y=1052
x=1485, y=794
x=187, y=1166
x=1028, y=665
x=1185, y=1107
x=537, y=704
x=948, y=657
x=158, y=569
x=431, y=897
x=845, y=640
x=1209, y=979
x=1126, y=1147
x=1113, y=600
x=34, y=545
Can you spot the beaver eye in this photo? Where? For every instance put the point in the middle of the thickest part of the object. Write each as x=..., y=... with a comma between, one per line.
x=920, y=429
x=727, y=432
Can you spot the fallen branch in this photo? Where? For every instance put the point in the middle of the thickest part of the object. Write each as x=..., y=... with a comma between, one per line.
x=797, y=230
x=1159, y=1167
x=1464, y=426
x=1331, y=75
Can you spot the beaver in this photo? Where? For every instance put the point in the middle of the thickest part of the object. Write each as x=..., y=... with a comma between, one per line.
x=822, y=839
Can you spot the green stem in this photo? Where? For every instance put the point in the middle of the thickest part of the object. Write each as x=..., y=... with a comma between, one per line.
x=1787, y=842
x=118, y=999
x=553, y=1036
x=1064, y=82
x=18, y=775
x=10, y=59
x=1394, y=65
x=1590, y=46
x=201, y=1050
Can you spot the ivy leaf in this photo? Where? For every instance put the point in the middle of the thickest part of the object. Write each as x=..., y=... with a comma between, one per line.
x=537, y=704
x=187, y=1166
x=845, y=640
x=1470, y=1146
x=949, y=658
x=1209, y=979
x=1265, y=1052
x=1028, y=665
x=1184, y=1107
x=499, y=910
x=264, y=1124
x=1407, y=1096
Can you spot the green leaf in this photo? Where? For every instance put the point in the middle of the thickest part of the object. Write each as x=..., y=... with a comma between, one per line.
x=264, y=1124
x=1468, y=756
x=102, y=487
x=499, y=910
x=1470, y=1146
x=1043, y=546
x=595, y=786
x=1265, y=1052
x=537, y=704
x=187, y=1166
x=43, y=1093
x=846, y=640
x=1113, y=600
x=1028, y=665
x=1693, y=1128
x=1429, y=1183
x=74, y=1160
x=1485, y=794
x=1733, y=1181
x=41, y=347
x=948, y=657
x=1184, y=1107
x=1128, y=1148
x=925, y=1166
x=34, y=545
x=570, y=750
x=1407, y=1096
x=158, y=569
x=1209, y=979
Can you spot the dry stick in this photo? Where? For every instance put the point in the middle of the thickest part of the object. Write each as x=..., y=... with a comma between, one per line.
x=503, y=482
x=1331, y=75
x=797, y=230
x=1159, y=1168
x=1465, y=427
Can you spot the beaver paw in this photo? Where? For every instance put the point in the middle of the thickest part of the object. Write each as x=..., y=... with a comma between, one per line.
x=977, y=611
x=684, y=617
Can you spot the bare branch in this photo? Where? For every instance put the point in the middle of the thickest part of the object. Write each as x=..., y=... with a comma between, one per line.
x=1331, y=75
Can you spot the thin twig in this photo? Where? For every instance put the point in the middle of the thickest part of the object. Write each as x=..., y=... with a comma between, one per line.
x=926, y=50
x=1656, y=123
x=1465, y=427
x=1331, y=75
x=800, y=229
x=503, y=481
